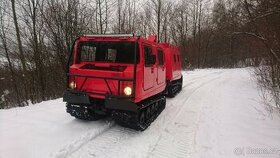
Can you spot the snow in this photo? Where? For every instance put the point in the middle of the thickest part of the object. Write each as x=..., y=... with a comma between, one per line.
x=219, y=113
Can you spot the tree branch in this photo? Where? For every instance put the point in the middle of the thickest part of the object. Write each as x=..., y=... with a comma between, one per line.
x=270, y=13
x=264, y=40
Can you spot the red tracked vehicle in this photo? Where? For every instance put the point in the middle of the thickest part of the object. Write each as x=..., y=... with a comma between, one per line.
x=123, y=75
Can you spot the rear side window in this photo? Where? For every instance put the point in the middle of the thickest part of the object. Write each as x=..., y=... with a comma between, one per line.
x=148, y=55
x=160, y=57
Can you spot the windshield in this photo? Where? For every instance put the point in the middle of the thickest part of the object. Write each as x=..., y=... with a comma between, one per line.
x=114, y=52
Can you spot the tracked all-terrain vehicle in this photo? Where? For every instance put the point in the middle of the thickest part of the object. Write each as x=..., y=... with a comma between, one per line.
x=123, y=75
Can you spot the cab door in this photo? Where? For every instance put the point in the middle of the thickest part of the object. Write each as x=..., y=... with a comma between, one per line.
x=149, y=67
x=160, y=67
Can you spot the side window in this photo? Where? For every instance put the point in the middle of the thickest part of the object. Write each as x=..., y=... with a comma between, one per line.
x=160, y=57
x=174, y=58
x=148, y=56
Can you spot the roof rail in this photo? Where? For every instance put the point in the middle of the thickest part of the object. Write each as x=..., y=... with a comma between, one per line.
x=111, y=35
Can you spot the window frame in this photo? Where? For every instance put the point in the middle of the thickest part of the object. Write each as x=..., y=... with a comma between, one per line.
x=160, y=51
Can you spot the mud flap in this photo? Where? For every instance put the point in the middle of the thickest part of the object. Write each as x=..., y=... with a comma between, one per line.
x=115, y=103
x=76, y=97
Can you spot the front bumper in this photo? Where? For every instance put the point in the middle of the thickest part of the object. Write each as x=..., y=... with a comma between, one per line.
x=111, y=102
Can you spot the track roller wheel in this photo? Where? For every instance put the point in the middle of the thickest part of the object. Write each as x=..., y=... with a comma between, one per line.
x=153, y=108
x=142, y=125
x=142, y=118
x=148, y=113
x=156, y=106
x=82, y=112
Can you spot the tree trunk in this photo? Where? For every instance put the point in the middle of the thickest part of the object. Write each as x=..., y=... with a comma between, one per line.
x=3, y=37
x=21, y=55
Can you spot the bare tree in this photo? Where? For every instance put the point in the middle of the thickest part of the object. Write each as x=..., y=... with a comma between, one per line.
x=31, y=16
x=20, y=48
x=3, y=37
x=102, y=15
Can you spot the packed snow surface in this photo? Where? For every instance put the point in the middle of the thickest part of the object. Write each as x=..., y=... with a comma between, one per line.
x=219, y=113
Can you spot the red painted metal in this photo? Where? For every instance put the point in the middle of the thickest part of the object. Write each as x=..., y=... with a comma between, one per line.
x=149, y=80
x=173, y=62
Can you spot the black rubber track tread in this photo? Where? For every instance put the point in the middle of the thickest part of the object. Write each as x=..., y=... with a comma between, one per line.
x=175, y=88
x=88, y=116
x=134, y=124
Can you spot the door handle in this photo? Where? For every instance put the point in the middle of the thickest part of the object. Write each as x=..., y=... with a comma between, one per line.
x=152, y=70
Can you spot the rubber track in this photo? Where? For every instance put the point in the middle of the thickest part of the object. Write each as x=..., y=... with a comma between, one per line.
x=133, y=123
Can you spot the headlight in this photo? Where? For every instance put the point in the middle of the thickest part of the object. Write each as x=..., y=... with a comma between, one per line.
x=72, y=85
x=127, y=91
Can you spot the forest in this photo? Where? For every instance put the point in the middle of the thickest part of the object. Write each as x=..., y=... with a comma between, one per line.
x=36, y=37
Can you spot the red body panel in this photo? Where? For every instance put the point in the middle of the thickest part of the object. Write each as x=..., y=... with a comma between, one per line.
x=173, y=62
x=99, y=85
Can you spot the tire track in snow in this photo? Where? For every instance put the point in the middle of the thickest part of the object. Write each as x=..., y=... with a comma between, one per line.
x=192, y=90
x=178, y=139
x=105, y=142
x=94, y=142
x=193, y=80
x=81, y=141
x=167, y=121
x=111, y=137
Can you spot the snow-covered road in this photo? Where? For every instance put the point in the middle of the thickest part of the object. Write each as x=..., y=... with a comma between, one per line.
x=218, y=114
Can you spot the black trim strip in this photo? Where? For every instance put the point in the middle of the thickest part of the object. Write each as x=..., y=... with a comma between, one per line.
x=98, y=77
